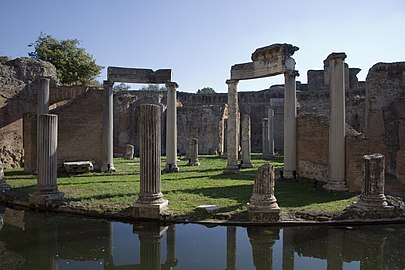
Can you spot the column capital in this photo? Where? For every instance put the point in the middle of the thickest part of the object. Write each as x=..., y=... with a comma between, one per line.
x=294, y=73
x=231, y=81
x=108, y=83
x=341, y=55
x=172, y=85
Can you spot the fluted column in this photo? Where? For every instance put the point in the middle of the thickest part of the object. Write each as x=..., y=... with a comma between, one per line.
x=232, y=128
x=246, y=142
x=193, y=148
x=107, y=161
x=290, y=115
x=265, y=137
x=271, y=131
x=3, y=185
x=43, y=96
x=150, y=201
x=171, y=128
x=337, y=181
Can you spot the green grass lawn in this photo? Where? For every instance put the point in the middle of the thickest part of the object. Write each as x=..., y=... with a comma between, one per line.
x=185, y=190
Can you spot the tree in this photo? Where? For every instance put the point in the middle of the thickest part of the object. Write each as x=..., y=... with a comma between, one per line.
x=153, y=87
x=206, y=90
x=74, y=66
x=121, y=87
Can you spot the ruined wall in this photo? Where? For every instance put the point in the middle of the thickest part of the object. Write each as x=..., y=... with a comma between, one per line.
x=18, y=95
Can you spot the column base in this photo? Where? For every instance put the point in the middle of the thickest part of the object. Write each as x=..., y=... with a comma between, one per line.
x=336, y=186
x=232, y=169
x=264, y=213
x=288, y=174
x=46, y=198
x=245, y=165
x=107, y=168
x=150, y=210
x=193, y=163
x=171, y=168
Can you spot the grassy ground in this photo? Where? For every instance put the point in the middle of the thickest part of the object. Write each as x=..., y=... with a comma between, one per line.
x=185, y=190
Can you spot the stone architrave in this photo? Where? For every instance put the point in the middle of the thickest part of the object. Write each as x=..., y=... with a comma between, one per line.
x=47, y=142
x=263, y=204
x=265, y=137
x=138, y=75
x=43, y=96
x=3, y=185
x=271, y=131
x=171, y=128
x=246, y=142
x=193, y=158
x=290, y=128
x=337, y=181
x=232, y=128
x=129, y=151
x=107, y=160
x=150, y=203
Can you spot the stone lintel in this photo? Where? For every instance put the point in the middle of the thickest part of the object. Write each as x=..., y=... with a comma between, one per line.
x=268, y=52
x=150, y=210
x=334, y=55
x=138, y=75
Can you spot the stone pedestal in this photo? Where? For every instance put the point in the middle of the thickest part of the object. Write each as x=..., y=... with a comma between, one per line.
x=3, y=185
x=43, y=96
x=290, y=133
x=171, y=128
x=129, y=151
x=270, y=117
x=193, y=157
x=263, y=204
x=246, y=142
x=265, y=138
x=47, y=141
x=150, y=203
x=232, y=128
x=337, y=180
x=107, y=161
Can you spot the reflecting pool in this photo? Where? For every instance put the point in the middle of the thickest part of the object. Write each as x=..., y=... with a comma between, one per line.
x=39, y=241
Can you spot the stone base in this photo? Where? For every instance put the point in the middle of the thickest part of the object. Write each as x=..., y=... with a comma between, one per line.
x=246, y=165
x=171, y=168
x=258, y=213
x=194, y=163
x=78, y=166
x=44, y=198
x=336, y=186
x=288, y=174
x=107, y=168
x=232, y=169
x=150, y=210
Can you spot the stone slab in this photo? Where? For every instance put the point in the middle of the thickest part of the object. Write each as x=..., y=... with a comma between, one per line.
x=150, y=211
x=78, y=166
x=138, y=75
x=209, y=208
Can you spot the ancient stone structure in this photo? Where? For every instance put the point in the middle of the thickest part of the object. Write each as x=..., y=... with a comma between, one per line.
x=47, y=187
x=263, y=204
x=78, y=166
x=43, y=96
x=150, y=203
x=171, y=128
x=193, y=155
x=246, y=142
x=337, y=123
x=108, y=163
x=129, y=151
x=3, y=185
x=232, y=135
x=271, y=131
x=265, y=135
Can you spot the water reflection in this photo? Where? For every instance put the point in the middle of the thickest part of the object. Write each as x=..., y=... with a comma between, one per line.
x=37, y=241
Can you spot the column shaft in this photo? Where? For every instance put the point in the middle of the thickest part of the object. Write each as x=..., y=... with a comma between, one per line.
x=246, y=142
x=107, y=161
x=3, y=185
x=265, y=137
x=232, y=128
x=193, y=157
x=271, y=131
x=43, y=96
x=171, y=128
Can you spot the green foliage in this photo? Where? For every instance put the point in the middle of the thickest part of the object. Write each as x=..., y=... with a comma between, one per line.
x=206, y=90
x=121, y=87
x=154, y=87
x=74, y=66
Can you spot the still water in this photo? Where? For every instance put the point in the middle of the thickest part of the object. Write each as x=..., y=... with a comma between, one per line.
x=38, y=241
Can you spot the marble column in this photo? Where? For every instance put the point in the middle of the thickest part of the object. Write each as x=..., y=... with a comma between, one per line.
x=43, y=96
x=290, y=118
x=265, y=137
x=171, y=128
x=3, y=185
x=271, y=131
x=193, y=157
x=232, y=128
x=246, y=142
x=230, y=248
x=47, y=143
x=150, y=203
x=107, y=160
x=337, y=181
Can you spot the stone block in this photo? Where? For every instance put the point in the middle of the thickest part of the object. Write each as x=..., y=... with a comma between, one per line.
x=150, y=210
x=78, y=166
x=138, y=75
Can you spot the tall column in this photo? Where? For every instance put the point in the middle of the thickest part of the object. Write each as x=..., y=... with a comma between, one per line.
x=3, y=185
x=337, y=181
x=43, y=96
x=193, y=157
x=232, y=129
x=246, y=142
x=171, y=128
x=290, y=115
x=150, y=201
x=230, y=248
x=265, y=137
x=107, y=161
x=271, y=131
x=47, y=142
x=225, y=139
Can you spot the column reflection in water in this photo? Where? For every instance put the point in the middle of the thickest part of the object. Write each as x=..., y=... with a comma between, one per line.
x=171, y=260
x=230, y=248
x=262, y=240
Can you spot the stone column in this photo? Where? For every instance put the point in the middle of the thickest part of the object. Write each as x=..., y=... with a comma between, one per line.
x=230, y=248
x=337, y=123
x=193, y=157
x=263, y=204
x=225, y=139
x=43, y=96
x=107, y=161
x=129, y=151
x=150, y=201
x=271, y=131
x=171, y=128
x=246, y=142
x=47, y=143
x=290, y=115
x=265, y=137
x=3, y=185
x=232, y=129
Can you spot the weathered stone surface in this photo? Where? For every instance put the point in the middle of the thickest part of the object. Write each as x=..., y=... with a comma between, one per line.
x=129, y=151
x=138, y=75
x=246, y=142
x=3, y=185
x=78, y=166
x=171, y=128
x=401, y=166
x=193, y=155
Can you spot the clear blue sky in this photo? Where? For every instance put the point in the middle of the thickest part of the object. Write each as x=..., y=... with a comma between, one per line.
x=201, y=40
